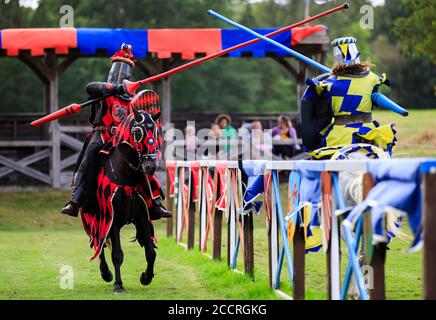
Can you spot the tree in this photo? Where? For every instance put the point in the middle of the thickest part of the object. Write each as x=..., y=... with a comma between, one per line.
x=412, y=77
x=20, y=87
x=226, y=84
x=418, y=30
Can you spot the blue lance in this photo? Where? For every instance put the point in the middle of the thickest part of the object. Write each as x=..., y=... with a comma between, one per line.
x=378, y=98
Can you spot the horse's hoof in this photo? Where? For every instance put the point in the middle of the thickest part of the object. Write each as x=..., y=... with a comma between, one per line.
x=145, y=279
x=118, y=288
x=107, y=276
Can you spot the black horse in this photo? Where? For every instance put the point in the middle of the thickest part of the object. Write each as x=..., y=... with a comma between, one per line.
x=123, y=195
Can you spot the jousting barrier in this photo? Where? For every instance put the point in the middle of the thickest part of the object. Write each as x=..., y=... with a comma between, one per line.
x=318, y=216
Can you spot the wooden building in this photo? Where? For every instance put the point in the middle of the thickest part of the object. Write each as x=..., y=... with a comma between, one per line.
x=47, y=154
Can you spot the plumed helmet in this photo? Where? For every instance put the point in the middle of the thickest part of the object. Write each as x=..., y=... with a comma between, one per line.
x=345, y=51
x=123, y=63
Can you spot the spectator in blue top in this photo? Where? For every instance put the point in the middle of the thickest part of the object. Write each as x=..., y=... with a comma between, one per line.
x=227, y=131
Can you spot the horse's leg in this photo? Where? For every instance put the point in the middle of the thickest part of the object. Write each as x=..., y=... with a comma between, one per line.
x=150, y=255
x=143, y=233
x=105, y=272
x=117, y=258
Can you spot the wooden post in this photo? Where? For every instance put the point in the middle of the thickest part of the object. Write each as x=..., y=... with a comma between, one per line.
x=306, y=9
x=299, y=263
x=203, y=210
x=378, y=291
x=429, y=236
x=170, y=205
x=201, y=207
x=273, y=242
x=51, y=105
x=333, y=257
x=232, y=225
x=217, y=232
x=166, y=102
x=300, y=84
x=329, y=273
x=248, y=245
x=329, y=270
x=229, y=239
x=377, y=264
x=217, y=220
x=48, y=70
x=191, y=219
x=231, y=218
x=55, y=130
x=179, y=207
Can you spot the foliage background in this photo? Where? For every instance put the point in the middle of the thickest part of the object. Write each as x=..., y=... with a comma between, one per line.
x=401, y=44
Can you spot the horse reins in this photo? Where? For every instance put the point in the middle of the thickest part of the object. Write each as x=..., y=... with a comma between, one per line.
x=131, y=166
x=141, y=157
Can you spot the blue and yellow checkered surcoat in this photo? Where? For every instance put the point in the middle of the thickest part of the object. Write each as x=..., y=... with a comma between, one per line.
x=351, y=95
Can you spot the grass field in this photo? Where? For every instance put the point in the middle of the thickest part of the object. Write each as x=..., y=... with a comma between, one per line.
x=35, y=241
x=416, y=133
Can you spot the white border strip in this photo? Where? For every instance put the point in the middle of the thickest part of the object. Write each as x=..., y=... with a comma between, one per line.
x=283, y=295
x=329, y=165
x=183, y=245
x=346, y=165
x=213, y=163
x=280, y=165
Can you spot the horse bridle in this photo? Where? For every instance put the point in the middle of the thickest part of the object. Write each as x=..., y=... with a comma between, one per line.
x=141, y=156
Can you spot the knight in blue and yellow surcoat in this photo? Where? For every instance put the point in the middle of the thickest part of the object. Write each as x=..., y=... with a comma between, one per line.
x=337, y=107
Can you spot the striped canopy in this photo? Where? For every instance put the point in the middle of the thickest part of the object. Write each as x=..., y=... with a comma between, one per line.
x=162, y=42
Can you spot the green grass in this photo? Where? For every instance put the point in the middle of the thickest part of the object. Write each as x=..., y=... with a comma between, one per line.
x=416, y=133
x=35, y=241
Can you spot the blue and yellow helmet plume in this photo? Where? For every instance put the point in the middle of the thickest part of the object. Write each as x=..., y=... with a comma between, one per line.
x=345, y=51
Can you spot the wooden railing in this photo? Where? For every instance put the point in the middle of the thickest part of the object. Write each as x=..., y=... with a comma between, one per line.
x=191, y=205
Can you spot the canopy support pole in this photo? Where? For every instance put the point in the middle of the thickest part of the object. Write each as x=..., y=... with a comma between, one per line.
x=302, y=74
x=48, y=71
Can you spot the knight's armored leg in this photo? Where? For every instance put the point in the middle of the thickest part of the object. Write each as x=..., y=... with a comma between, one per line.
x=72, y=207
x=85, y=173
x=157, y=209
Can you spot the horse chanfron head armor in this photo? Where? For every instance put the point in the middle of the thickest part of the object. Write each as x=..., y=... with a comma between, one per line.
x=140, y=131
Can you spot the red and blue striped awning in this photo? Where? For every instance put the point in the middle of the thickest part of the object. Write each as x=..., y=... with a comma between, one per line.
x=162, y=42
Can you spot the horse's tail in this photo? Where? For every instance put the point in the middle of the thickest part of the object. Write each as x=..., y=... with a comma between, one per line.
x=352, y=184
x=394, y=218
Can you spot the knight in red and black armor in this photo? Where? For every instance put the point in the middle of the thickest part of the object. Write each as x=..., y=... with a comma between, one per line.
x=105, y=116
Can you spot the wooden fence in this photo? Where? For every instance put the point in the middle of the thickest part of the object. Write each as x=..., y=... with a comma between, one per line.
x=196, y=196
x=46, y=155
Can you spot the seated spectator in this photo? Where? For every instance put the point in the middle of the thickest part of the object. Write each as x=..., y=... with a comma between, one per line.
x=257, y=125
x=215, y=131
x=245, y=130
x=227, y=132
x=212, y=139
x=285, y=132
x=261, y=145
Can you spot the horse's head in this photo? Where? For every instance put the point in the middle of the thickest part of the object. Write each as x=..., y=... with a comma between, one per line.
x=140, y=131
